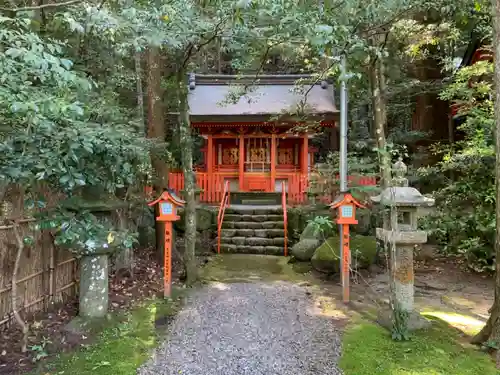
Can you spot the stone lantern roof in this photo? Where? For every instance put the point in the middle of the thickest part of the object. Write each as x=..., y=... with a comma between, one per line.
x=401, y=195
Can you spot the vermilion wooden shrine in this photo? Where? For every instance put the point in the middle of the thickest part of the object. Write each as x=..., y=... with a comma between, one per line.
x=253, y=142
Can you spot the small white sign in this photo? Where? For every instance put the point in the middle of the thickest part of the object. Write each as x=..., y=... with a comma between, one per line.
x=346, y=211
x=166, y=208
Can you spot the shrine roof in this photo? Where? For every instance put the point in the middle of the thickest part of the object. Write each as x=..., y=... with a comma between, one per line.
x=265, y=96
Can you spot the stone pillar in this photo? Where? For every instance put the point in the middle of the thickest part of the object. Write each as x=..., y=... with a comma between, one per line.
x=402, y=236
x=94, y=286
x=404, y=277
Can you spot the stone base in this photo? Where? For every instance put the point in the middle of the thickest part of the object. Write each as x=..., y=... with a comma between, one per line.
x=415, y=321
x=86, y=327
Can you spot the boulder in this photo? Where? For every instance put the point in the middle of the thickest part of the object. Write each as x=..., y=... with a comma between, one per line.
x=205, y=218
x=304, y=250
x=312, y=231
x=326, y=258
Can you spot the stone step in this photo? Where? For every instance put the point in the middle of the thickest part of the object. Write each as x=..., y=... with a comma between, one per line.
x=259, y=233
x=258, y=202
x=255, y=198
x=252, y=218
x=263, y=250
x=254, y=210
x=253, y=225
x=253, y=241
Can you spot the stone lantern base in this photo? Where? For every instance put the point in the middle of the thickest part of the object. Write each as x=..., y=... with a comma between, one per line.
x=415, y=320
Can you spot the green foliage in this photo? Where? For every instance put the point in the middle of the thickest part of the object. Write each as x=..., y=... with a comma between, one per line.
x=39, y=350
x=84, y=234
x=399, y=330
x=465, y=219
x=62, y=130
x=321, y=225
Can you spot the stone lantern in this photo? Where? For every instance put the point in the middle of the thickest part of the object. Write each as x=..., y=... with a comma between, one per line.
x=403, y=202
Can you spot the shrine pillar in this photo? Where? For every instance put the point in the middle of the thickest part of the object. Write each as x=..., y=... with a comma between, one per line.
x=273, y=162
x=210, y=164
x=241, y=162
x=304, y=165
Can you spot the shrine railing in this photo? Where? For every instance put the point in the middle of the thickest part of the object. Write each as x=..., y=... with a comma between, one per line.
x=285, y=216
x=220, y=217
x=300, y=188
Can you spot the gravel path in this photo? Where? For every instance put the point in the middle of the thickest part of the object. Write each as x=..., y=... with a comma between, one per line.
x=248, y=329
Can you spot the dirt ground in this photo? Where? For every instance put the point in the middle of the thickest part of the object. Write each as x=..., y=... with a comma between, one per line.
x=444, y=289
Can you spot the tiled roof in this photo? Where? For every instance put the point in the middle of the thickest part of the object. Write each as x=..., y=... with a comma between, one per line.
x=266, y=96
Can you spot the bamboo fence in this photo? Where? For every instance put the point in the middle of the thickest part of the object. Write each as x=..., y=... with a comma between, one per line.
x=46, y=276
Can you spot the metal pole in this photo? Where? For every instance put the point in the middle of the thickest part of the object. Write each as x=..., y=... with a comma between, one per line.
x=343, y=127
x=343, y=171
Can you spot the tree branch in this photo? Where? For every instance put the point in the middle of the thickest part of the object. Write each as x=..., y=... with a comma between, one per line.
x=42, y=6
x=193, y=48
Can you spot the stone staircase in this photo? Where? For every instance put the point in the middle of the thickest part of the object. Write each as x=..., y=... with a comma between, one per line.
x=253, y=229
x=256, y=198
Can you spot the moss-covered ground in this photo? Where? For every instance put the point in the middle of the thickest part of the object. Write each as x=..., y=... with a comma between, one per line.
x=369, y=350
x=124, y=344
x=127, y=342
x=247, y=268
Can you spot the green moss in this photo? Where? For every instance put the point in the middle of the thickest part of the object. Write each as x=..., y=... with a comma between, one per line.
x=294, y=229
x=304, y=249
x=369, y=350
x=123, y=346
x=302, y=267
x=327, y=257
x=230, y=268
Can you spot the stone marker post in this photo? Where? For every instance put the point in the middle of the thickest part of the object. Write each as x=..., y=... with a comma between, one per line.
x=94, y=286
x=403, y=233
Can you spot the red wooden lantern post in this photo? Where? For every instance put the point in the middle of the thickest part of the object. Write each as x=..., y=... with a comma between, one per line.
x=168, y=203
x=346, y=215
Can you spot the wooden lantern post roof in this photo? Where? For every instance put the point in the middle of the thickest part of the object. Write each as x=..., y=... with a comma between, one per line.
x=347, y=198
x=169, y=196
x=268, y=98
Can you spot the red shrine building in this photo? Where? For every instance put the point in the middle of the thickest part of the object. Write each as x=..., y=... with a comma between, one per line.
x=259, y=141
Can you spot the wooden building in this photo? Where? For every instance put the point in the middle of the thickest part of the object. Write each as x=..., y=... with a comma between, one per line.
x=260, y=141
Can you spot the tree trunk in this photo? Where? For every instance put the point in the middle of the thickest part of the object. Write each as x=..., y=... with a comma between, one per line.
x=156, y=122
x=139, y=89
x=491, y=331
x=186, y=145
x=379, y=105
x=400, y=289
x=156, y=129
